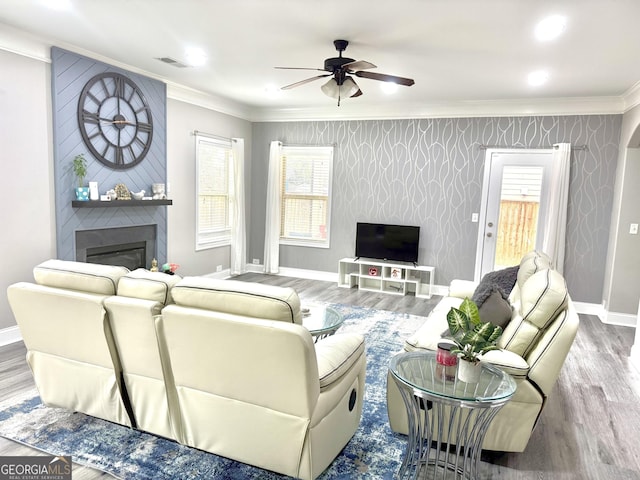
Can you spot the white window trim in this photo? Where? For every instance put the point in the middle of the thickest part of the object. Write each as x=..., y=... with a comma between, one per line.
x=218, y=237
x=297, y=242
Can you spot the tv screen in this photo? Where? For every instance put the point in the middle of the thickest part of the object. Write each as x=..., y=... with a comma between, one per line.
x=387, y=242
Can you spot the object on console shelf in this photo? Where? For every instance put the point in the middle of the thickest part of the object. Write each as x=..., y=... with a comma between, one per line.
x=373, y=271
x=138, y=195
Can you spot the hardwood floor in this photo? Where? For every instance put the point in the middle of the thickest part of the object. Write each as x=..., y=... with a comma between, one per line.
x=588, y=430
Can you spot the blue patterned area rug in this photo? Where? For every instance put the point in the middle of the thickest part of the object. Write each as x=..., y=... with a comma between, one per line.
x=374, y=452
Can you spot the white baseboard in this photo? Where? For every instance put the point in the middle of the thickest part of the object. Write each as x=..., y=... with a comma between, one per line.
x=10, y=335
x=220, y=275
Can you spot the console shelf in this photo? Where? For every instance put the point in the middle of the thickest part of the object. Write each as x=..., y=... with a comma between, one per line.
x=386, y=277
x=118, y=203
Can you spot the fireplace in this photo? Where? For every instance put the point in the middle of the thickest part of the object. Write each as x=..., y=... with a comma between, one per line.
x=132, y=247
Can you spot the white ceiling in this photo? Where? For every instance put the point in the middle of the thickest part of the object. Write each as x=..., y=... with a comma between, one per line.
x=467, y=57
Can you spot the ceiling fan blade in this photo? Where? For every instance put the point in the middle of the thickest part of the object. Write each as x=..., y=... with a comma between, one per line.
x=301, y=68
x=302, y=82
x=358, y=65
x=385, y=78
x=357, y=94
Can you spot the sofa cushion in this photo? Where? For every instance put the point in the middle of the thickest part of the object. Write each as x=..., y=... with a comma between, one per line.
x=80, y=276
x=542, y=297
x=240, y=298
x=148, y=285
x=496, y=309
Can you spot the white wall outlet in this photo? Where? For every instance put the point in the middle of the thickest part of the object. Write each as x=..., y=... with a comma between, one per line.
x=256, y=261
x=218, y=268
x=633, y=229
x=474, y=217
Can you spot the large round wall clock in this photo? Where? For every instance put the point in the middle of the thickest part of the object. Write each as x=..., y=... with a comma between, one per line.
x=115, y=120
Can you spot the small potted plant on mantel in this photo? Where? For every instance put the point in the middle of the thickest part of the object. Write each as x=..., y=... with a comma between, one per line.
x=79, y=167
x=472, y=338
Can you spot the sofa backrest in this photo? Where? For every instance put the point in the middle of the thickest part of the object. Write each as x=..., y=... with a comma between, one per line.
x=239, y=298
x=70, y=347
x=542, y=297
x=146, y=285
x=530, y=263
x=220, y=368
x=80, y=276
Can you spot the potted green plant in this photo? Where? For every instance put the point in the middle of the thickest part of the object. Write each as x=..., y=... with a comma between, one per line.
x=472, y=337
x=79, y=167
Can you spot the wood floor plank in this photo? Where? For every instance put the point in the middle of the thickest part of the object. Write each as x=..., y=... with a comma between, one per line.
x=588, y=429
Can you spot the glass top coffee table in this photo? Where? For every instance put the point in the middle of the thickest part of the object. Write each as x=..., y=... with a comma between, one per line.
x=322, y=321
x=448, y=419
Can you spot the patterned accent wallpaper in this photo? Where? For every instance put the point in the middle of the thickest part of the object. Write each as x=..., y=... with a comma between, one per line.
x=69, y=73
x=429, y=172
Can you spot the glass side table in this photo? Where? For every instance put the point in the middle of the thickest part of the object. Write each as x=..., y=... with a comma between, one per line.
x=448, y=419
x=322, y=321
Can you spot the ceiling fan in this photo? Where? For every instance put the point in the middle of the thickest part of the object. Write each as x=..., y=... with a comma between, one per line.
x=340, y=68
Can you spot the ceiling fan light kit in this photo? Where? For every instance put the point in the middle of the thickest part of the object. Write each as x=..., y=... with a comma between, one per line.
x=340, y=68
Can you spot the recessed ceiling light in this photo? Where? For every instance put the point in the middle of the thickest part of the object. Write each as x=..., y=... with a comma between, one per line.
x=389, y=87
x=195, y=57
x=550, y=28
x=538, y=78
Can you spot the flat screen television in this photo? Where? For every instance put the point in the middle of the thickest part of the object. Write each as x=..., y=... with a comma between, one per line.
x=387, y=242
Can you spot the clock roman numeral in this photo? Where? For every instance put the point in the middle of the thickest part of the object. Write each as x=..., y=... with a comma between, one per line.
x=95, y=99
x=119, y=156
x=90, y=117
x=119, y=87
x=144, y=127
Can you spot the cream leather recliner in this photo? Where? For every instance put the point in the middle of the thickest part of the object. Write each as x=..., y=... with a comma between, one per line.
x=250, y=384
x=533, y=348
x=70, y=347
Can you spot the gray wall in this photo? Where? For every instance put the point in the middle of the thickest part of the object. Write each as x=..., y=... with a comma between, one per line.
x=28, y=235
x=622, y=284
x=183, y=119
x=429, y=172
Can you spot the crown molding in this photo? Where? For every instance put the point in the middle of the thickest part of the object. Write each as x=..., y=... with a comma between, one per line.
x=632, y=97
x=490, y=108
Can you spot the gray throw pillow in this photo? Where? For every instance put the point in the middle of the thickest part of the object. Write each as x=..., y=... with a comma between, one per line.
x=495, y=309
x=503, y=279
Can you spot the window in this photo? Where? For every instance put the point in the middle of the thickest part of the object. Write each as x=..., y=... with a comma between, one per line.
x=215, y=184
x=305, y=195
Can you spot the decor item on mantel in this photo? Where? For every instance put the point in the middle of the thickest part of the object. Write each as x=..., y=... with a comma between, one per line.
x=79, y=167
x=158, y=191
x=122, y=192
x=138, y=195
x=472, y=338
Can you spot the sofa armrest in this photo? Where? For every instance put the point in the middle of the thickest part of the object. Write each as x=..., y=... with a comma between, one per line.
x=336, y=355
x=462, y=288
x=508, y=362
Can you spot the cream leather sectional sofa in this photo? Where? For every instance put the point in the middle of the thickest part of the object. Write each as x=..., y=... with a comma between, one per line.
x=533, y=348
x=220, y=365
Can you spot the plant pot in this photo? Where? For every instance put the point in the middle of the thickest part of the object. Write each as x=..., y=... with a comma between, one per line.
x=469, y=372
x=82, y=193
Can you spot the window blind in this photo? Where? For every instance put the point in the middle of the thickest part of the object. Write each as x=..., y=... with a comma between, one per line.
x=305, y=195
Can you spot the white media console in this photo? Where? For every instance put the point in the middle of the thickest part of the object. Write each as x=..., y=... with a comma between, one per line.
x=386, y=277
